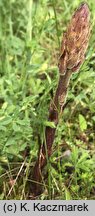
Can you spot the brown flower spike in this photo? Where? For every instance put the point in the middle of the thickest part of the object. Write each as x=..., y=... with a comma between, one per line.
x=73, y=49
x=75, y=40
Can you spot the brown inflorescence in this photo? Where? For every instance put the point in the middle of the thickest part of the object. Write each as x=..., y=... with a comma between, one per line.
x=73, y=49
x=75, y=40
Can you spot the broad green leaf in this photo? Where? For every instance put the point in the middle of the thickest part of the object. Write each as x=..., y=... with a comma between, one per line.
x=3, y=159
x=3, y=128
x=93, y=118
x=44, y=66
x=10, y=142
x=16, y=127
x=6, y=121
x=82, y=122
x=49, y=124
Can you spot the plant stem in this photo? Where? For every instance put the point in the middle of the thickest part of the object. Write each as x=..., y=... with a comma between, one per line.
x=56, y=108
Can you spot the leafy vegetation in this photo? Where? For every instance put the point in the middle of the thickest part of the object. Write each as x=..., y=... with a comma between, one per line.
x=30, y=34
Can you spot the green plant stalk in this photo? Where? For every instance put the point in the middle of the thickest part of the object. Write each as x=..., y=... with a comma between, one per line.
x=29, y=27
x=56, y=22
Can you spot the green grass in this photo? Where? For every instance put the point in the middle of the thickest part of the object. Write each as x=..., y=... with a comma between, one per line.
x=30, y=35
